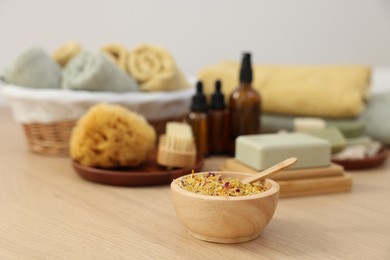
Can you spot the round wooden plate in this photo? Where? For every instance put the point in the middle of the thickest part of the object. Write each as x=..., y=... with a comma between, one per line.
x=148, y=174
x=366, y=163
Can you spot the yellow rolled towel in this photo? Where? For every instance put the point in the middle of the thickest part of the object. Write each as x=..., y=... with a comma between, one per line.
x=323, y=91
x=155, y=69
x=117, y=53
x=66, y=52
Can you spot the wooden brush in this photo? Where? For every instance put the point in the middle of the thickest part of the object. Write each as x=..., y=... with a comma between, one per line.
x=177, y=148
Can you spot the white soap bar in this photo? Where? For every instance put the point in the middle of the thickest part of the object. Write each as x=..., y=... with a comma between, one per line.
x=303, y=124
x=264, y=150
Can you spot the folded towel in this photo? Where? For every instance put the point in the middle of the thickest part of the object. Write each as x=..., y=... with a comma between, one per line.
x=93, y=71
x=117, y=53
x=349, y=127
x=333, y=135
x=66, y=52
x=3, y=74
x=34, y=68
x=377, y=119
x=325, y=91
x=154, y=68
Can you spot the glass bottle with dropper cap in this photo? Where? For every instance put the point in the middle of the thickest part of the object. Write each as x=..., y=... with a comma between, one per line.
x=244, y=105
x=198, y=119
x=217, y=121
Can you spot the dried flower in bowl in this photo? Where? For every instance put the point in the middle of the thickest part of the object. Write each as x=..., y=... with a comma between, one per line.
x=210, y=206
x=214, y=185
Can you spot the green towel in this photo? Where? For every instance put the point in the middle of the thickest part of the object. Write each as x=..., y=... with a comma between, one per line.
x=349, y=127
x=93, y=71
x=34, y=68
x=377, y=117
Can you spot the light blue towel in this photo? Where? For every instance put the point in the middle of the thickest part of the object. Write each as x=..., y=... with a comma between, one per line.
x=377, y=117
x=34, y=68
x=93, y=71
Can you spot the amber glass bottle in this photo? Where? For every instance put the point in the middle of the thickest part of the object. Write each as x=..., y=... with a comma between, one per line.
x=217, y=121
x=198, y=119
x=244, y=105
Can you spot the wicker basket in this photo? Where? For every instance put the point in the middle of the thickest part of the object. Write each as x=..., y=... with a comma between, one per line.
x=54, y=139
x=48, y=116
x=49, y=139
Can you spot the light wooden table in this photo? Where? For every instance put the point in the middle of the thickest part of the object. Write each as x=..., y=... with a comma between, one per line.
x=48, y=212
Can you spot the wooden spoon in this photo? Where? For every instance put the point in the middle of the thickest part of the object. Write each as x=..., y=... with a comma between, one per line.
x=270, y=171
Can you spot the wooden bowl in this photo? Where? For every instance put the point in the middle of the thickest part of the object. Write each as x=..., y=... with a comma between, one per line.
x=225, y=219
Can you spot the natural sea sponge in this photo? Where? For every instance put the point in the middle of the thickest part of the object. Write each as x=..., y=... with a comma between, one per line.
x=110, y=136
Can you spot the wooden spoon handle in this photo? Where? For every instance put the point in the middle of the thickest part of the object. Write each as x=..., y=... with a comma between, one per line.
x=270, y=171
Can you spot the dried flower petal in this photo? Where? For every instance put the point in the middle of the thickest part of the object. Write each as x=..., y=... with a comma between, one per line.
x=210, y=184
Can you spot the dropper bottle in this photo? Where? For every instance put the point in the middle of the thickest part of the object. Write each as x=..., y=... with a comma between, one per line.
x=217, y=121
x=198, y=119
x=244, y=105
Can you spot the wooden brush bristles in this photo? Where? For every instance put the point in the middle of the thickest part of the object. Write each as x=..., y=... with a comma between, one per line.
x=177, y=147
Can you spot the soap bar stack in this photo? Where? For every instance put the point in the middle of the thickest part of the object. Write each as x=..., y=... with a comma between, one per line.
x=350, y=147
x=312, y=174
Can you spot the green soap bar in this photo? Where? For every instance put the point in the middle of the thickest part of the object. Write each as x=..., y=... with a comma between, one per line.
x=349, y=128
x=363, y=140
x=333, y=135
x=271, y=123
x=265, y=150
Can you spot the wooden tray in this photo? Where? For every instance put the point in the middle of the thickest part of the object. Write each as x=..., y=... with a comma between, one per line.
x=307, y=185
x=366, y=163
x=148, y=174
x=315, y=186
x=291, y=174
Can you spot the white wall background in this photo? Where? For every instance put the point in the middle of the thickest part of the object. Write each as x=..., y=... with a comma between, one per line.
x=203, y=32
